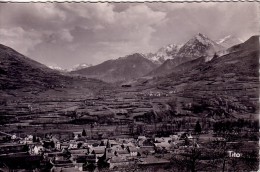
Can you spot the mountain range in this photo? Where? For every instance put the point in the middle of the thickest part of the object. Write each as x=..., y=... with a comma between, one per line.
x=203, y=80
x=196, y=47
x=119, y=70
x=151, y=64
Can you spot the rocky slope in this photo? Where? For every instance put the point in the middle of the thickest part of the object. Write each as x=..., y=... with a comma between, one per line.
x=163, y=54
x=196, y=47
x=199, y=45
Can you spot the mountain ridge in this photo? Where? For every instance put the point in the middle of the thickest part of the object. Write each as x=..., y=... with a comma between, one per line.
x=119, y=70
x=24, y=76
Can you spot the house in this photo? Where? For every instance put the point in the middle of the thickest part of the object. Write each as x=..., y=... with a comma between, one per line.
x=163, y=145
x=142, y=138
x=48, y=144
x=79, y=166
x=55, y=140
x=158, y=139
x=64, y=169
x=80, y=151
x=91, y=158
x=98, y=152
x=13, y=148
x=64, y=145
x=58, y=145
x=109, y=153
x=174, y=137
x=148, y=142
x=125, y=140
x=79, y=155
x=129, y=144
x=64, y=163
x=147, y=150
x=133, y=151
x=28, y=139
x=113, y=143
x=151, y=160
x=13, y=137
x=73, y=144
x=163, y=139
x=116, y=162
x=91, y=148
x=77, y=134
x=122, y=153
x=182, y=135
x=37, y=149
x=117, y=147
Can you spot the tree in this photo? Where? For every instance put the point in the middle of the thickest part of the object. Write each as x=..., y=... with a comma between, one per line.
x=197, y=127
x=215, y=56
x=26, y=148
x=84, y=133
x=79, y=145
x=140, y=130
x=131, y=128
x=146, y=152
x=188, y=161
x=34, y=138
x=91, y=129
x=52, y=144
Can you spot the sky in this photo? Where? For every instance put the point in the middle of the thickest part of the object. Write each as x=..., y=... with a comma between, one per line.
x=67, y=34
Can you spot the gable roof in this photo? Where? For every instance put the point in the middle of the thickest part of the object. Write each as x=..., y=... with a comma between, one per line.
x=98, y=151
x=132, y=149
x=122, y=152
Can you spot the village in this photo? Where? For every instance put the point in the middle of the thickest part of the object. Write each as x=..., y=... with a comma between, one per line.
x=87, y=151
x=85, y=154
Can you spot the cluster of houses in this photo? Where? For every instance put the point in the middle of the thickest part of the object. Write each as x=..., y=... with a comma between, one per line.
x=81, y=154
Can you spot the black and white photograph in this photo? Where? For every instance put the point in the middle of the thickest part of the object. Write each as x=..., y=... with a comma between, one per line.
x=129, y=86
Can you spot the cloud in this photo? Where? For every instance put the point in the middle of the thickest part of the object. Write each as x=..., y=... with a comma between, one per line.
x=19, y=39
x=38, y=16
x=141, y=15
x=65, y=35
x=102, y=12
x=216, y=20
x=70, y=33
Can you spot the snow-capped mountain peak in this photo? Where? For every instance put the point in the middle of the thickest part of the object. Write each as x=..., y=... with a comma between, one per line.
x=56, y=68
x=199, y=45
x=202, y=39
x=80, y=66
x=163, y=54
